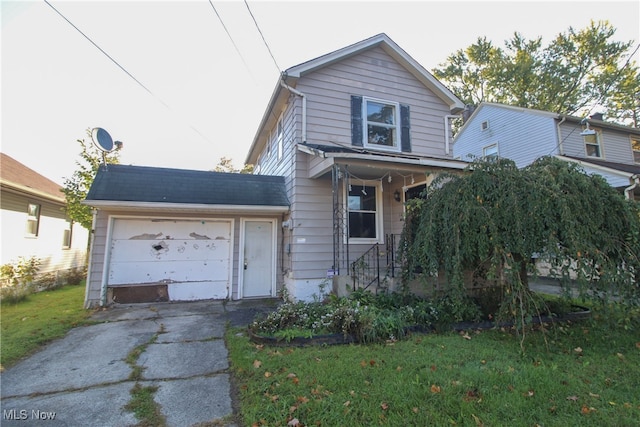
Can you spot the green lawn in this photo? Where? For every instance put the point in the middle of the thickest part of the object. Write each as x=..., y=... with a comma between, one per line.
x=585, y=374
x=39, y=319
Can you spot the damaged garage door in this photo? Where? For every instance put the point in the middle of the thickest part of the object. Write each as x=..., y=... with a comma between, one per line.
x=186, y=259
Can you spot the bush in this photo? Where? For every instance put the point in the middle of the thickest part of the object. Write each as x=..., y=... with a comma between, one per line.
x=364, y=316
x=74, y=276
x=17, y=278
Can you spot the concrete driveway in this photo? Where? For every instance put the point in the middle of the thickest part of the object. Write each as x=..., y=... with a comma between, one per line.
x=84, y=379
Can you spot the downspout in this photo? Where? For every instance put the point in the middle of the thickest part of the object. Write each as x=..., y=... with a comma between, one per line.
x=89, y=261
x=447, y=129
x=560, y=146
x=629, y=190
x=304, y=108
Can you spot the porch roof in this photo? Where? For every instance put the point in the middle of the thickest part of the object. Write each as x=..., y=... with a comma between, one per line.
x=364, y=162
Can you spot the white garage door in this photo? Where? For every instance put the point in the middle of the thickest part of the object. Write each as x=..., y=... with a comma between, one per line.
x=192, y=257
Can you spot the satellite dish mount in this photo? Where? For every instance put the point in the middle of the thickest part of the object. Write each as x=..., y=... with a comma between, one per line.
x=103, y=142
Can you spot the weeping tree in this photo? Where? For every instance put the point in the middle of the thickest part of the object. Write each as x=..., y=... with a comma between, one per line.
x=495, y=218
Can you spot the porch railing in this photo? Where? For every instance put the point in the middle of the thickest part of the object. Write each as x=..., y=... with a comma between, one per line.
x=375, y=267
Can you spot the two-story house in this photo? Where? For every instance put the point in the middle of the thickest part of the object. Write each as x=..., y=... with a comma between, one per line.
x=34, y=222
x=523, y=135
x=345, y=139
x=355, y=133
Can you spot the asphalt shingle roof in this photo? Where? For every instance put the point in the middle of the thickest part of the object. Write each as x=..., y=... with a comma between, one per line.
x=12, y=172
x=165, y=185
x=624, y=167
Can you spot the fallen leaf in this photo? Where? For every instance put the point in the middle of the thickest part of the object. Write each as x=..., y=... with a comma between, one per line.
x=466, y=336
x=587, y=409
x=384, y=406
x=435, y=388
x=292, y=409
x=574, y=398
x=347, y=403
x=257, y=364
x=399, y=368
x=638, y=345
x=293, y=423
x=295, y=380
x=612, y=403
x=274, y=397
x=433, y=368
x=352, y=392
x=302, y=399
x=267, y=374
x=479, y=423
x=620, y=356
x=578, y=350
x=259, y=346
x=363, y=363
x=597, y=396
x=372, y=362
x=415, y=410
x=530, y=393
x=291, y=375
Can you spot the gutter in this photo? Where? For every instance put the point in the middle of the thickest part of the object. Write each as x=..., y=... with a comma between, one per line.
x=180, y=207
x=635, y=179
x=304, y=107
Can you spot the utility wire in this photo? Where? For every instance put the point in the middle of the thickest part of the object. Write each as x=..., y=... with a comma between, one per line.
x=122, y=68
x=231, y=38
x=101, y=50
x=262, y=35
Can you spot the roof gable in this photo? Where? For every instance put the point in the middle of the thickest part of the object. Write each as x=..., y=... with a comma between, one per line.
x=16, y=175
x=122, y=183
x=289, y=79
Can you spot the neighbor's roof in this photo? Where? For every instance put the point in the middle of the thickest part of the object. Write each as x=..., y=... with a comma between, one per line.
x=280, y=94
x=19, y=178
x=622, y=167
x=136, y=186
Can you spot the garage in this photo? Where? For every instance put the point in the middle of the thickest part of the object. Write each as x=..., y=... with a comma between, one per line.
x=169, y=259
x=162, y=234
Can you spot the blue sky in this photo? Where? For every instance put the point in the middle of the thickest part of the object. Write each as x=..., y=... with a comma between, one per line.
x=196, y=98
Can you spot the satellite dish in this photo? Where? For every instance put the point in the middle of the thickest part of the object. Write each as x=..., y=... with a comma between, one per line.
x=102, y=140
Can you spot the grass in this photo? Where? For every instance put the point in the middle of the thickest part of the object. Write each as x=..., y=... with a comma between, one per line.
x=144, y=407
x=38, y=319
x=577, y=374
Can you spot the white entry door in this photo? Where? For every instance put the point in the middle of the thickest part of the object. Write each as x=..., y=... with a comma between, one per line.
x=258, y=260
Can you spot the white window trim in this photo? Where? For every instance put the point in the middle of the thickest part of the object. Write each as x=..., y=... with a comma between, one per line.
x=67, y=243
x=484, y=151
x=482, y=128
x=365, y=134
x=379, y=214
x=599, y=144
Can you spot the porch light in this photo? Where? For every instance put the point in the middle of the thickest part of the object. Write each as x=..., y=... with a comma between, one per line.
x=396, y=196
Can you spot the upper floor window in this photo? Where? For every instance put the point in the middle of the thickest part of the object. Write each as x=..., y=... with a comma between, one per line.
x=365, y=212
x=635, y=147
x=592, y=142
x=490, y=151
x=484, y=125
x=33, y=220
x=380, y=124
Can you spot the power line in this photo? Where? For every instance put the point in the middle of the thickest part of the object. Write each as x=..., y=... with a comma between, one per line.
x=262, y=35
x=231, y=38
x=122, y=68
x=102, y=50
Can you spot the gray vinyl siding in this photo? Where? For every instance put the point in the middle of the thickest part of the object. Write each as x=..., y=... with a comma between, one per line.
x=616, y=146
x=373, y=74
x=519, y=136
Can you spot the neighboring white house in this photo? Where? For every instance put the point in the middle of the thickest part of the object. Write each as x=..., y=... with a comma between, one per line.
x=33, y=220
x=524, y=135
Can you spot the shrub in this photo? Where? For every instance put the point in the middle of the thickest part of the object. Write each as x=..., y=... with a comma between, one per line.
x=74, y=276
x=17, y=278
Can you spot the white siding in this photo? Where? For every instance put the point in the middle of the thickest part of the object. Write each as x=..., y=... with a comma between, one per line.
x=48, y=244
x=520, y=136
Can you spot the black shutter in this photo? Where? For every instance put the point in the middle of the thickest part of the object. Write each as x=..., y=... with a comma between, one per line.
x=405, y=125
x=356, y=120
